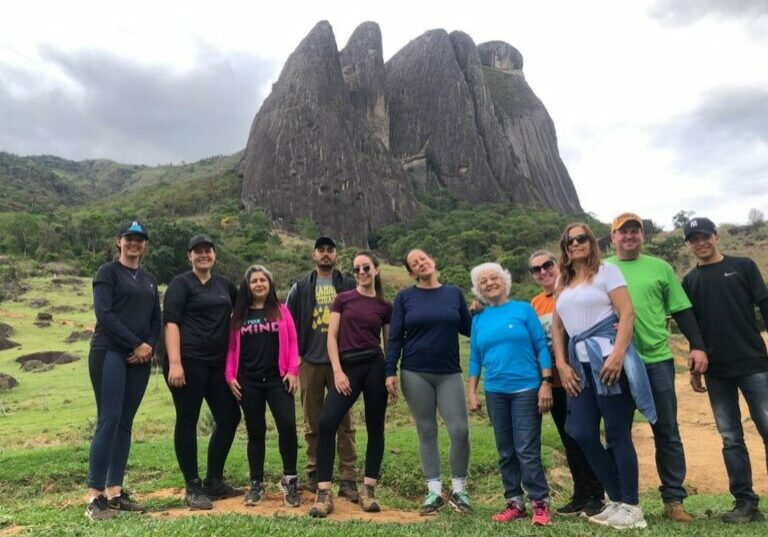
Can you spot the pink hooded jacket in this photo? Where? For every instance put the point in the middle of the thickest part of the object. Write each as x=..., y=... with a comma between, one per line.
x=288, y=357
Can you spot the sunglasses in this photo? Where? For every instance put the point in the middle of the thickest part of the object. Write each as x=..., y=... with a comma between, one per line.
x=363, y=268
x=579, y=239
x=546, y=265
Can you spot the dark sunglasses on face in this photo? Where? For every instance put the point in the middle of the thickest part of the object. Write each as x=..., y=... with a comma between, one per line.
x=546, y=265
x=579, y=239
x=363, y=268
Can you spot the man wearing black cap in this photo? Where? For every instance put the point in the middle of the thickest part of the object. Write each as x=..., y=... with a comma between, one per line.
x=724, y=291
x=309, y=301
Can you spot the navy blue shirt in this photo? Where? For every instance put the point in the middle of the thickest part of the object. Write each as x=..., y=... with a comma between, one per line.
x=425, y=329
x=127, y=307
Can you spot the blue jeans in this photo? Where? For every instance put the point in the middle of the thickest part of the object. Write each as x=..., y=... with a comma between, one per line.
x=119, y=388
x=616, y=465
x=724, y=398
x=517, y=428
x=670, y=457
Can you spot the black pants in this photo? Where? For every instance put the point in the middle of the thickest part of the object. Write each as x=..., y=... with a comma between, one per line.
x=256, y=396
x=368, y=379
x=204, y=380
x=586, y=486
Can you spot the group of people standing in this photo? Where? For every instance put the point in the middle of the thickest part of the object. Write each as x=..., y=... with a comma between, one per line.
x=591, y=348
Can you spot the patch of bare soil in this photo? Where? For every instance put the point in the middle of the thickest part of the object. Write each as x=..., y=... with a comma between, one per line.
x=10, y=530
x=272, y=506
x=703, y=446
x=49, y=357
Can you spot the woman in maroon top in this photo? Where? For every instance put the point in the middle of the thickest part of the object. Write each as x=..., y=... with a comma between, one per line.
x=358, y=319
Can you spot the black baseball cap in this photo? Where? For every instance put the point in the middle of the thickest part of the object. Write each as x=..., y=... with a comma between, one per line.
x=324, y=241
x=197, y=240
x=699, y=225
x=134, y=228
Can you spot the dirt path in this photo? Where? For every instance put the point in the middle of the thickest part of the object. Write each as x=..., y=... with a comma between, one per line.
x=272, y=506
x=706, y=470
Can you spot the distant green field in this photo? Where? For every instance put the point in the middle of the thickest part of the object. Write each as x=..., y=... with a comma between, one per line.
x=47, y=421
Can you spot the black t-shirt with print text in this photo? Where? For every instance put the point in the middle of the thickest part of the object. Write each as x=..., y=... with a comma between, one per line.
x=259, y=348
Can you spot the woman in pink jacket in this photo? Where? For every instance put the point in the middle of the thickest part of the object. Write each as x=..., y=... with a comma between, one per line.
x=262, y=369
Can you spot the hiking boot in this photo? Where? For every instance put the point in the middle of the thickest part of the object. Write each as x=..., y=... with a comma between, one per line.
x=592, y=507
x=124, y=502
x=541, y=514
x=606, y=513
x=573, y=508
x=98, y=509
x=368, y=500
x=511, y=512
x=195, y=496
x=676, y=512
x=627, y=517
x=432, y=504
x=290, y=492
x=348, y=489
x=218, y=489
x=323, y=504
x=743, y=511
x=460, y=502
x=255, y=494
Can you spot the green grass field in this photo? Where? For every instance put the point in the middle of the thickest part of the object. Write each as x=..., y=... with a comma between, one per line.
x=46, y=423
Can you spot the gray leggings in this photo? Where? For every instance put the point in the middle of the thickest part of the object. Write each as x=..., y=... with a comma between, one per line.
x=426, y=393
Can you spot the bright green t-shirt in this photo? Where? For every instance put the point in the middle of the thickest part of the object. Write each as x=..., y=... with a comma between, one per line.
x=656, y=293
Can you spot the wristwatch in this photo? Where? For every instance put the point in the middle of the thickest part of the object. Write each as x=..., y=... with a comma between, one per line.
x=549, y=378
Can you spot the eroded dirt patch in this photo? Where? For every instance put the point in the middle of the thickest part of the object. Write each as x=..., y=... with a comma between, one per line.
x=48, y=357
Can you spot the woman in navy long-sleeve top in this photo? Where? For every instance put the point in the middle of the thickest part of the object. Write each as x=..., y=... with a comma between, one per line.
x=127, y=307
x=426, y=322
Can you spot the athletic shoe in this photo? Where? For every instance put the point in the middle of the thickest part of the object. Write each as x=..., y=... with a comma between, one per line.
x=98, y=509
x=432, y=504
x=627, y=517
x=460, y=501
x=348, y=489
x=608, y=511
x=291, y=492
x=195, y=496
x=124, y=502
x=368, y=500
x=573, y=508
x=218, y=489
x=323, y=504
x=511, y=512
x=592, y=507
x=255, y=494
x=541, y=514
x=743, y=511
x=676, y=512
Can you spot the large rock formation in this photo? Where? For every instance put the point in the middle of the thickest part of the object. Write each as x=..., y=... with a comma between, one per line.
x=349, y=141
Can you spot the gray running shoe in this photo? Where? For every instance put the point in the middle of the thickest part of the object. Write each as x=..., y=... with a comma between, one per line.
x=255, y=494
x=195, y=496
x=98, y=509
x=290, y=492
x=627, y=517
x=607, y=512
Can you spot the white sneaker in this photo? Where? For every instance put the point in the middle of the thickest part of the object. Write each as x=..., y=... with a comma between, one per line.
x=627, y=517
x=607, y=512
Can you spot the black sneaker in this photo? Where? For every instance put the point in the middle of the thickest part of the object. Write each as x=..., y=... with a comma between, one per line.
x=310, y=485
x=124, y=502
x=572, y=508
x=348, y=489
x=218, y=489
x=291, y=492
x=255, y=494
x=195, y=496
x=743, y=511
x=592, y=507
x=98, y=509
x=460, y=501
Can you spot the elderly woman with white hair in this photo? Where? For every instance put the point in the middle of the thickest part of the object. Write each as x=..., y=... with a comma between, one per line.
x=509, y=342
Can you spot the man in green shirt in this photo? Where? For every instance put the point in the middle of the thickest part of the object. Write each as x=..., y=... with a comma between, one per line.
x=657, y=293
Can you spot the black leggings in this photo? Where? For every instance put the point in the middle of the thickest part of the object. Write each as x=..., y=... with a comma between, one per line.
x=256, y=396
x=368, y=379
x=204, y=380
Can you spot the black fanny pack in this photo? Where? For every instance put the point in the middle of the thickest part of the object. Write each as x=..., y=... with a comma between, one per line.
x=360, y=357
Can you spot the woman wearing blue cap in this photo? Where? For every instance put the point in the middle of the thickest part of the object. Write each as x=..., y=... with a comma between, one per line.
x=127, y=307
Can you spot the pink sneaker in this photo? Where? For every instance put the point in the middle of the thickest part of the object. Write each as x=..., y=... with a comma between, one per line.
x=541, y=516
x=511, y=512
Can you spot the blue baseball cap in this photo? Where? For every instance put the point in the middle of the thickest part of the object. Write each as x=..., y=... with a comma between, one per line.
x=134, y=228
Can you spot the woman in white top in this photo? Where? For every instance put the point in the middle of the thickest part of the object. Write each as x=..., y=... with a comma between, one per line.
x=589, y=296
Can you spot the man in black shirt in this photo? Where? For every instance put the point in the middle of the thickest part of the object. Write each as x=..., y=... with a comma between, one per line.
x=309, y=302
x=724, y=291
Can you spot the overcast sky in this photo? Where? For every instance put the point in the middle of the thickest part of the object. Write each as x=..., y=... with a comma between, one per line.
x=659, y=105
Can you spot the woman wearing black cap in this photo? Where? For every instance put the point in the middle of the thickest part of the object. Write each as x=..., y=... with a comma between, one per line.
x=127, y=307
x=196, y=313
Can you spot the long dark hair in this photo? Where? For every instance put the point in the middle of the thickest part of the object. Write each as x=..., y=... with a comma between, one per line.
x=409, y=252
x=245, y=297
x=567, y=270
x=377, y=280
